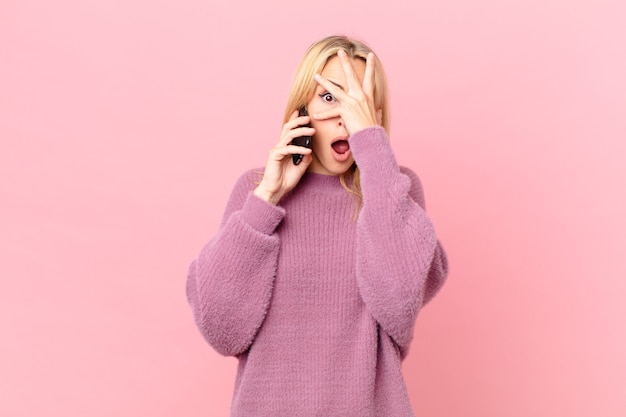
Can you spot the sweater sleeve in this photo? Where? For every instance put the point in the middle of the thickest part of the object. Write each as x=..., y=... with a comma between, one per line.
x=229, y=285
x=400, y=263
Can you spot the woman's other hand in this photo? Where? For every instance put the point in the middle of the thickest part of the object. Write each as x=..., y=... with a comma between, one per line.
x=281, y=174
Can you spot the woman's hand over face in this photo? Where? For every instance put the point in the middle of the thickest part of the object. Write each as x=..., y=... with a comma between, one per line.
x=356, y=104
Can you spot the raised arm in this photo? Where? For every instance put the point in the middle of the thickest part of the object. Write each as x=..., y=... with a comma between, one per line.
x=400, y=263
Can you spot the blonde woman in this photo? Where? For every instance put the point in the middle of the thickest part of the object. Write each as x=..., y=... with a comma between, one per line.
x=319, y=269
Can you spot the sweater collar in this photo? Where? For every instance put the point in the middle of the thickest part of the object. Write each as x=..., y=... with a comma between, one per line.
x=320, y=181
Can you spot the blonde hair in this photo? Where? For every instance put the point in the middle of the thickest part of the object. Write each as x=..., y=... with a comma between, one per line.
x=304, y=85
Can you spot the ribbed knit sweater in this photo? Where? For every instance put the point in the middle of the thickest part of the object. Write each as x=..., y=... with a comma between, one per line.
x=317, y=305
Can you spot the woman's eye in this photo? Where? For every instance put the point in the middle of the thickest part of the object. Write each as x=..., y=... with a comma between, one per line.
x=328, y=98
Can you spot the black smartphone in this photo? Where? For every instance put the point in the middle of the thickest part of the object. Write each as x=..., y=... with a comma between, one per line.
x=302, y=140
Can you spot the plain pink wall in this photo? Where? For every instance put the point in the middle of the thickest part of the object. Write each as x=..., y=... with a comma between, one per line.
x=124, y=124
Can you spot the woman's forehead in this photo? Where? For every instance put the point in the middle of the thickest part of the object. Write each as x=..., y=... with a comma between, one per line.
x=333, y=70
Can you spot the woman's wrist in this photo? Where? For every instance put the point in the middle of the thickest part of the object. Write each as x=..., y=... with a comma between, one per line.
x=264, y=194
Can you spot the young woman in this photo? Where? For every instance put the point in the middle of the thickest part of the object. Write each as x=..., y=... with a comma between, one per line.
x=317, y=273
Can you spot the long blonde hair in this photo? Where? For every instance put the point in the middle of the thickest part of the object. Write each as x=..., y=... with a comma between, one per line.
x=304, y=85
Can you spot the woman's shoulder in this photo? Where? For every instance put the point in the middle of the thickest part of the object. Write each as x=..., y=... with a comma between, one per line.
x=246, y=182
x=249, y=179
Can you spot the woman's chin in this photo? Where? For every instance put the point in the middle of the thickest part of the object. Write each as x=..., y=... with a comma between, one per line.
x=333, y=167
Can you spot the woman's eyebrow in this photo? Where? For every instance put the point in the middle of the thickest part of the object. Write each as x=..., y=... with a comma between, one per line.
x=337, y=84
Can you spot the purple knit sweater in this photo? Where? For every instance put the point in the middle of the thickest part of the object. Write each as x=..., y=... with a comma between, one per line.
x=318, y=307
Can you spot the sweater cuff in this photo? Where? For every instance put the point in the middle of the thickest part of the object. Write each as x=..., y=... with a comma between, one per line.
x=372, y=151
x=261, y=215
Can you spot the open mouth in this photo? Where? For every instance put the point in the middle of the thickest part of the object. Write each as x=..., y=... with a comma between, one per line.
x=341, y=146
x=341, y=149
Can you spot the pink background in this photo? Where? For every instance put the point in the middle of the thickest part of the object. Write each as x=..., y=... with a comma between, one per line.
x=124, y=125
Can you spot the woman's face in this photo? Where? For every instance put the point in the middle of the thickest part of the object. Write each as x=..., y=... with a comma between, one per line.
x=331, y=151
